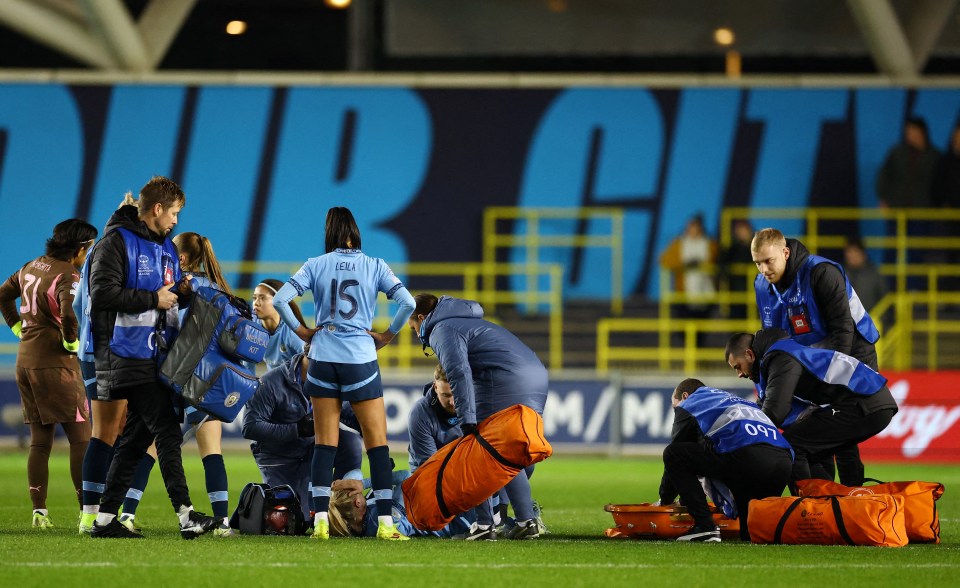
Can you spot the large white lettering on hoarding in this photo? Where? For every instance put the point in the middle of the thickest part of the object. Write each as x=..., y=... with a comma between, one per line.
x=567, y=412
x=397, y=403
x=563, y=411
x=918, y=425
x=648, y=411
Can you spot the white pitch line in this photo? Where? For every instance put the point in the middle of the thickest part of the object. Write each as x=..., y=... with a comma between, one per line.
x=519, y=565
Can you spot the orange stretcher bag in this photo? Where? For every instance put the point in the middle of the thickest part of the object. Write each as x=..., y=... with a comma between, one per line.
x=919, y=502
x=646, y=521
x=471, y=469
x=829, y=520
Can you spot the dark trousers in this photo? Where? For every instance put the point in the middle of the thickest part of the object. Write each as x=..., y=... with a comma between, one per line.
x=296, y=475
x=833, y=431
x=752, y=472
x=150, y=417
x=848, y=465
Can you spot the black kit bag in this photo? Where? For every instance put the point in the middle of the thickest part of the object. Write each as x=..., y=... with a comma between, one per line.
x=266, y=510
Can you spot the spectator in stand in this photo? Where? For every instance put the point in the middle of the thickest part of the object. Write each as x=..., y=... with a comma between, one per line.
x=906, y=178
x=734, y=255
x=690, y=257
x=863, y=274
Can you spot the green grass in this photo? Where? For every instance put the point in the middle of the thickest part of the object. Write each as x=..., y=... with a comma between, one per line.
x=571, y=489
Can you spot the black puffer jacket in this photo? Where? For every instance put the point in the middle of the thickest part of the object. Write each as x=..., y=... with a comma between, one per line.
x=108, y=274
x=830, y=296
x=786, y=377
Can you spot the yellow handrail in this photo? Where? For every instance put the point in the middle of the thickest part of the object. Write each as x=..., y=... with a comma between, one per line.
x=532, y=239
x=405, y=351
x=900, y=242
x=690, y=355
x=407, y=348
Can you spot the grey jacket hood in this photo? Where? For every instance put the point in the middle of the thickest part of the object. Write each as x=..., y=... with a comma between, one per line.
x=448, y=308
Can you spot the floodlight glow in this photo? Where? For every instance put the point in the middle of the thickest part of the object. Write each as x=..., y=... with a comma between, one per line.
x=723, y=36
x=236, y=27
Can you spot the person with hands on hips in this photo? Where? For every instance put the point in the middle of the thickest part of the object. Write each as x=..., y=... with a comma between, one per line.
x=345, y=283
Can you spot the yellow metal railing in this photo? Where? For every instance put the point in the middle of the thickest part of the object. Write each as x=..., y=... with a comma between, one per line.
x=406, y=351
x=898, y=315
x=402, y=352
x=533, y=239
x=895, y=349
x=543, y=289
x=900, y=242
x=688, y=357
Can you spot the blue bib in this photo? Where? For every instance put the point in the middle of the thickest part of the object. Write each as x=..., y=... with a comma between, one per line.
x=796, y=312
x=730, y=422
x=830, y=367
x=150, y=266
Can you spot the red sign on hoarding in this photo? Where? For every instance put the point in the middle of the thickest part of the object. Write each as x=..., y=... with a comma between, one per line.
x=927, y=427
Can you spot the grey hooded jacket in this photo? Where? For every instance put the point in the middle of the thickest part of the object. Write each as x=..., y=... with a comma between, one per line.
x=488, y=367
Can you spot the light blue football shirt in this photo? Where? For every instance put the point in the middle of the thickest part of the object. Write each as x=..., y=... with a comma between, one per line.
x=345, y=284
x=282, y=346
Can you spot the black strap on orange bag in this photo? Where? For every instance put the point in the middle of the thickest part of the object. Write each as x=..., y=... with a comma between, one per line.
x=837, y=514
x=443, y=466
x=496, y=454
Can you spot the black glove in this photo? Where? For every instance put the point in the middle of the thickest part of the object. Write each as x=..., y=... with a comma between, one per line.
x=468, y=428
x=305, y=426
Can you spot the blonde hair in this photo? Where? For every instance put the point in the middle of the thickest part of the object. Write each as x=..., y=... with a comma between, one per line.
x=765, y=237
x=439, y=374
x=342, y=512
x=128, y=200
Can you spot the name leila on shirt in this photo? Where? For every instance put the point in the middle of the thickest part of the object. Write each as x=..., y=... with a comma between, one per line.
x=346, y=266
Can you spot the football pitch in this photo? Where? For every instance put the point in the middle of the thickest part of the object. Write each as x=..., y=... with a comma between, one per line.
x=571, y=489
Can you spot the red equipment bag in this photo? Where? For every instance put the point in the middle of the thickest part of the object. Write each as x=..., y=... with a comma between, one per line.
x=471, y=469
x=919, y=502
x=829, y=520
x=646, y=521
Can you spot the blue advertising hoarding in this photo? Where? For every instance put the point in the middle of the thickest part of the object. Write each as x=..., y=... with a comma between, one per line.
x=579, y=414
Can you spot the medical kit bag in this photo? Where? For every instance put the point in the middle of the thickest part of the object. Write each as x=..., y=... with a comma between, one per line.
x=211, y=361
x=875, y=520
x=919, y=502
x=266, y=510
x=467, y=471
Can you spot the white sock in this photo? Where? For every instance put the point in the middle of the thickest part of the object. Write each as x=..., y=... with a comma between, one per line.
x=105, y=518
x=386, y=520
x=226, y=521
x=496, y=519
x=319, y=516
x=91, y=508
x=127, y=516
x=184, y=514
x=42, y=511
x=482, y=527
